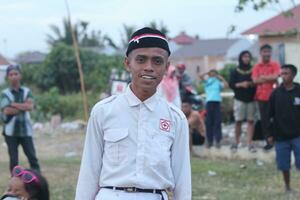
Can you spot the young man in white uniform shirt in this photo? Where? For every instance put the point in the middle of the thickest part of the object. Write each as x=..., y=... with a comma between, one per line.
x=137, y=144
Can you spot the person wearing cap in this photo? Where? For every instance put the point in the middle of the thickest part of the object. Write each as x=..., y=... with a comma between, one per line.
x=16, y=102
x=137, y=144
x=213, y=85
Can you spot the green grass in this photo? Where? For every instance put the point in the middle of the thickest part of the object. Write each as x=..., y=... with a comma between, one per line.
x=230, y=182
x=233, y=183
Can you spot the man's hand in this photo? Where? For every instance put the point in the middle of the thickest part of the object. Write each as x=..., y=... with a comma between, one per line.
x=259, y=80
x=202, y=76
x=244, y=84
x=10, y=111
x=221, y=78
x=26, y=106
x=265, y=79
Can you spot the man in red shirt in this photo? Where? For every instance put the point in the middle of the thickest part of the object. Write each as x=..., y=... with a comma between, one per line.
x=264, y=75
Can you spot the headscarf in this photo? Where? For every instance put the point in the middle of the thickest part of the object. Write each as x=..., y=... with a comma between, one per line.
x=170, y=84
x=242, y=67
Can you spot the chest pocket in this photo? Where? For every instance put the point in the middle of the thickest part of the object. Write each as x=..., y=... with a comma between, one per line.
x=116, y=145
x=160, y=144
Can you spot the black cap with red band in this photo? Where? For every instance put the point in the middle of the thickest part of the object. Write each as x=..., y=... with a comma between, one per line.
x=147, y=38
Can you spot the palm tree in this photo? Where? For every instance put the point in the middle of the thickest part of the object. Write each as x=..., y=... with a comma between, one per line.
x=126, y=34
x=63, y=36
x=161, y=27
x=85, y=39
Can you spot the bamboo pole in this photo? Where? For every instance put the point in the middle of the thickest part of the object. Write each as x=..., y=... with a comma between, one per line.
x=81, y=76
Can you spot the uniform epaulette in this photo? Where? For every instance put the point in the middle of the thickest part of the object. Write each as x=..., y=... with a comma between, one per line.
x=177, y=110
x=107, y=100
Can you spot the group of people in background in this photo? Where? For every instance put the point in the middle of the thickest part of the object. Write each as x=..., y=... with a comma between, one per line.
x=265, y=92
x=252, y=87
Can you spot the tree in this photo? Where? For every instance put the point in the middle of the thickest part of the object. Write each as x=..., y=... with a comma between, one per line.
x=126, y=35
x=95, y=39
x=60, y=70
x=259, y=5
x=161, y=27
x=263, y=4
x=84, y=38
x=62, y=36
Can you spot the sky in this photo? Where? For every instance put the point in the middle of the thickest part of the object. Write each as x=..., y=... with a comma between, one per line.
x=25, y=23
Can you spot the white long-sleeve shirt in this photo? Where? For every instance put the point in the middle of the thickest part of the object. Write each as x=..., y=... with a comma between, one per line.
x=130, y=143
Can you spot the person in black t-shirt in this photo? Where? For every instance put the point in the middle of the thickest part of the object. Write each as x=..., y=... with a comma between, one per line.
x=284, y=117
x=244, y=104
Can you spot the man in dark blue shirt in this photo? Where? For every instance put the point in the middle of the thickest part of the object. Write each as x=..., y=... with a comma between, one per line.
x=284, y=116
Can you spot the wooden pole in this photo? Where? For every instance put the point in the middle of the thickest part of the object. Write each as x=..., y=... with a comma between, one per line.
x=81, y=76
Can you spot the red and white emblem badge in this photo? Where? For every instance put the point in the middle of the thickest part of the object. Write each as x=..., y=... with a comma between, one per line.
x=165, y=125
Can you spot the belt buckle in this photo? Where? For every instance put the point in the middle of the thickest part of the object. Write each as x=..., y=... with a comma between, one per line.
x=131, y=189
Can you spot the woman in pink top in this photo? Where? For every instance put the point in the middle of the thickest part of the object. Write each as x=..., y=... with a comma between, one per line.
x=169, y=88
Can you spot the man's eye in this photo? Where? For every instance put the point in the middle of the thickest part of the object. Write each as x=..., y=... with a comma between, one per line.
x=158, y=61
x=140, y=60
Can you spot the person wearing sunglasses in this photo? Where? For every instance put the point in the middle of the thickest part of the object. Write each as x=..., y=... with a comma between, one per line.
x=26, y=184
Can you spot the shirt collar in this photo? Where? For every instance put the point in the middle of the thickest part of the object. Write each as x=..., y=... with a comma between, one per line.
x=262, y=64
x=281, y=86
x=13, y=90
x=134, y=100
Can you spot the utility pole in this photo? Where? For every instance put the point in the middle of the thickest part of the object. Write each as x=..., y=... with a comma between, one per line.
x=81, y=76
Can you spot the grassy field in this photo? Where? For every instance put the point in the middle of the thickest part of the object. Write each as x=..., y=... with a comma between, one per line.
x=60, y=159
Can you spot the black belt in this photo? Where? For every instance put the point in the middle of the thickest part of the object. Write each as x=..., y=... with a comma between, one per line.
x=134, y=189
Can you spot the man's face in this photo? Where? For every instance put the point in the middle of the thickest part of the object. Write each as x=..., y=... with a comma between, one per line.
x=246, y=59
x=186, y=108
x=14, y=77
x=181, y=70
x=212, y=74
x=266, y=54
x=287, y=75
x=147, y=67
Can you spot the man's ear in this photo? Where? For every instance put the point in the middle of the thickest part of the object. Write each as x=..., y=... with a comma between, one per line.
x=168, y=65
x=127, y=64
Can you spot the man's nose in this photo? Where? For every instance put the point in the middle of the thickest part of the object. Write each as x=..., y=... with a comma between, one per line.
x=148, y=66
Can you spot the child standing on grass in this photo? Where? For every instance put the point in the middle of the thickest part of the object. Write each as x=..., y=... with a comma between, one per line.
x=213, y=86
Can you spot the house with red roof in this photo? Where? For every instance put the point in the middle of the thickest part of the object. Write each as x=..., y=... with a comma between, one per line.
x=183, y=39
x=283, y=33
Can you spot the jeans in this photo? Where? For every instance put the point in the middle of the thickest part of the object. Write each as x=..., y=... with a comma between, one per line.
x=213, y=122
x=28, y=148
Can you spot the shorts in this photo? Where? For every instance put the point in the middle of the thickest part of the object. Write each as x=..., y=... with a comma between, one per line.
x=243, y=110
x=283, y=153
x=197, y=138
